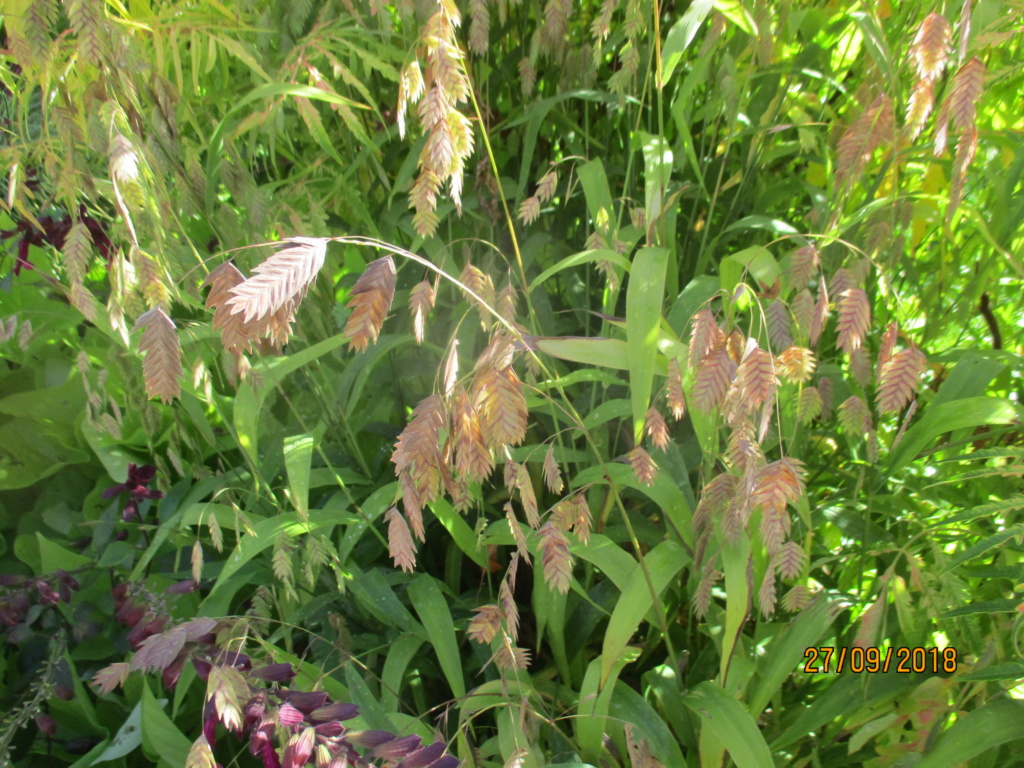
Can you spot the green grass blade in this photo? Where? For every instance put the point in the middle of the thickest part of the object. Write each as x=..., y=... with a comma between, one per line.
x=995, y=723
x=644, y=297
x=432, y=608
x=730, y=723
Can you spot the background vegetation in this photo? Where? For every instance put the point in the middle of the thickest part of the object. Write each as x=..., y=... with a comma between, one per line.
x=522, y=382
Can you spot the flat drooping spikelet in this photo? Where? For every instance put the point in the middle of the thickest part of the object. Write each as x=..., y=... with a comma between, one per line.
x=644, y=468
x=756, y=376
x=555, y=557
x=899, y=379
x=657, y=429
x=796, y=364
x=711, y=382
x=421, y=300
x=284, y=276
x=235, y=333
x=803, y=263
x=930, y=49
x=473, y=460
x=854, y=319
x=674, y=395
x=162, y=365
x=552, y=474
x=370, y=302
x=400, y=543
x=417, y=457
x=501, y=405
x=706, y=336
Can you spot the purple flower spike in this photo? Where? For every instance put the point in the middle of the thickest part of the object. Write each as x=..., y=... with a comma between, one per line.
x=273, y=673
x=396, y=748
x=423, y=757
x=337, y=711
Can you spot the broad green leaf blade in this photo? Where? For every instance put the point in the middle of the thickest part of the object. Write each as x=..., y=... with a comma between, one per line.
x=958, y=414
x=161, y=738
x=595, y=700
x=399, y=655
x=730, y=723
x=982, y=729
x=644, y=297
x=681, y=35
x=298, y=453
x=608, y=353
x=246, y=420
x=630, y=707
x=737, y=598
x=583, y=257
x=756, y=261
x=460, y=531
x=433, y=611
x=784, y=655
x=663, y=563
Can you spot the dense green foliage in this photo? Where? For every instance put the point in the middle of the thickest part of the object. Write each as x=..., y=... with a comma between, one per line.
x=557, y=382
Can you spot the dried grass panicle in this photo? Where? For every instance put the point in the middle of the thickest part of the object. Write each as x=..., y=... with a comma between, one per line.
x=899, y=379
x=449, y=133
x=854, y=319
x=711, y=381
x=552, y=473
x=756, y=377
x=706, y=336
x=809, y=405
x=281, y=278
x=657, y=429
x=511, y=659
x=473, y=460
x=888, y=344
x=702, y=595
x=860, y=367
x=518, y=536
x=421, y=301
x=236, y=334
x=872, y=129
x=854, y=416
x=506, y=303
x=797, y=364
x=802, y=309
x=400, y=544
x=674, y=395
x=644, y=468
x=766, y=595
x=162, y=365
x=509, y=609
x=930, y=49
x=418, y=460
x=780, y=325
x=556, y=559
x=790, y=560
x=964, y=91
x=370, y=301
x=500, y=402
x=803, y=263
x=524, y=484
x=484, y=626
x=796, y=599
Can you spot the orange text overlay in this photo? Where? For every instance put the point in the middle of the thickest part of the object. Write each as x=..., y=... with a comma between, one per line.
x=918, y=659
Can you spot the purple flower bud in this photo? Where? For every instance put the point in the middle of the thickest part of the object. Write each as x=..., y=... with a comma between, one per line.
x=202, y=667
x=337, y=711
x=369, y=738
x=10, y=580
x=234, y=659
x=306, y=701
x=210, y=723
x=299, y=749
x=254, y=710
x=182, y=587
x=396, y=748
x=446, y=762
x=46, y=724
x=273, y=673
x=331, y=730
x=262, y=736
x=289, y=716
x=423, y=757
x=130, y=511
x=270, y=758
